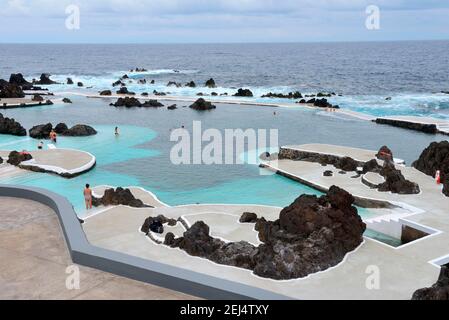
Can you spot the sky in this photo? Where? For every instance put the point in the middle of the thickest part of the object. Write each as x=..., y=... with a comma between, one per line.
x=220, y=21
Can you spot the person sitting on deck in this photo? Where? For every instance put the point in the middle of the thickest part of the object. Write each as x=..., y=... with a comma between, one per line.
x=88, y=196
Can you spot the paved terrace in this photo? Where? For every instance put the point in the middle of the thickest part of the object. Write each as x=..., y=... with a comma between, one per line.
x=34, y=258
x=65, y=162
x=403, y=270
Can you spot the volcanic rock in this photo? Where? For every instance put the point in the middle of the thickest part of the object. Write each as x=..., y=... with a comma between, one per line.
x=124, y=90
x=61, y=128
x=174, y=83
x=290, y=95
x=11, y=126
x=45, y=79
x=172, y=107
x=80, y=84
x=151, y=223
x=66, y=100
x=210, y=83
x=105, y=93
x=202, y=105
x=439, y=291
x=69, y=81
x=127, y=102
x=248, y=217
x=328, y=173
x=117, y=197
x=18, y=79
x=152, y=104
x=191, y=84
x=15, y=158
x=243, y=93
x=37, y=98
x=395, y=181
x=311, y=235
x=384, y=154
x=10, y=90
x=80, y=130
x=41, y=131
x=435, y=157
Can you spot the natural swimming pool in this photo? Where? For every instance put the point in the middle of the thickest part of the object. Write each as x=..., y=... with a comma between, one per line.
x=140, y=155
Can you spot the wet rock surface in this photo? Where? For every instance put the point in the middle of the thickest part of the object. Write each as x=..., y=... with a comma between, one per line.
x=11, y=126
x=311, y=235
x=243, y=93
x=119, y=196
x=439, y=291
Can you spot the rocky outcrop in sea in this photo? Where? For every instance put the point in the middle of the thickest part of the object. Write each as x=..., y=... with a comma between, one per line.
x=11, y=126
x=243, y=93
x=290, y=95
x=311, y=235
x=45, y=80
x=202, y=105
x=130, y=102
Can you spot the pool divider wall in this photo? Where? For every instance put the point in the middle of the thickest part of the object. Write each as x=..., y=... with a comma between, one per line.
x=170, y=277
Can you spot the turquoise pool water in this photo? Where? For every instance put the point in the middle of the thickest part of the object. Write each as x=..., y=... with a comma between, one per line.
x=114, y=152
x=140, y=156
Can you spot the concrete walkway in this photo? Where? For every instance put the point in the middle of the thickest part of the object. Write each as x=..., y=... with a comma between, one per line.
x=11, y=103
x=402, y=270
x=442, y=125
x=64, y=162
x=34, y=259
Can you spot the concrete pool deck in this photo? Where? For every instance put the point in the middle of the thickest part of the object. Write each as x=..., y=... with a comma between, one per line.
x=402, y=269
x=34, y=258
x=67, y=163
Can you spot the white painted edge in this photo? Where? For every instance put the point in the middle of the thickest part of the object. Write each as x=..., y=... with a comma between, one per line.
x=60, y=170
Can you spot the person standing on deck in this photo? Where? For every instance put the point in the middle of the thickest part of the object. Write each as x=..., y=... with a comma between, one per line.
x=88, y=196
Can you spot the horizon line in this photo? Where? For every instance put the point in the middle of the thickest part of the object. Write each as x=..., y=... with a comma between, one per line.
x=207, y=43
